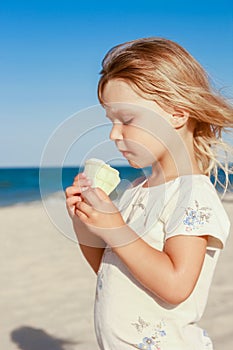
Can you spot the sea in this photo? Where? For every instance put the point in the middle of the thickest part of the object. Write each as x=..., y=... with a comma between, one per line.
x=23, y=185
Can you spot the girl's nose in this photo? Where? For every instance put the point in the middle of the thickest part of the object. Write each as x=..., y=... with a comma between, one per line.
x=116, y=132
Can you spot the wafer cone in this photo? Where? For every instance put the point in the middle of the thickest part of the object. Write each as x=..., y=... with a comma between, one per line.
x=102, y=175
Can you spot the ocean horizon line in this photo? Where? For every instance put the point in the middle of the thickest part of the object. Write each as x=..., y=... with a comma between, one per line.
x=2, y=167
x=51, y=166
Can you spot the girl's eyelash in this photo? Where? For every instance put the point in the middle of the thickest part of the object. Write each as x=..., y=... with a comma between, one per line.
x=126, y=122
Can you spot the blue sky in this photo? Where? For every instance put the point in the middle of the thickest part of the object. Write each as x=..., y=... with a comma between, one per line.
x=51, y=52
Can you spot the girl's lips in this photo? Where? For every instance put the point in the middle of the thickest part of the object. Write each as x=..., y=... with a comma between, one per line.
x=125, y=153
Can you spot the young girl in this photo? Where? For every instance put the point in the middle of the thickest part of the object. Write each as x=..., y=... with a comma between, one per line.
x=156, y=250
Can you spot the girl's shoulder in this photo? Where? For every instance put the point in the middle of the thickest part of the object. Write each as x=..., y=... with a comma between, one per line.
x=201, y=186
x=196, y=189
x=193, y=207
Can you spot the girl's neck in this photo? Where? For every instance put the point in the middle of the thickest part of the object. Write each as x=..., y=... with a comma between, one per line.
x=179, y=161
x=162, y=173
x=159, y=180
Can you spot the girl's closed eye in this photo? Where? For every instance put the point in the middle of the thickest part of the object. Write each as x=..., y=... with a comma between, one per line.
x=124, y=121
x=127, y=121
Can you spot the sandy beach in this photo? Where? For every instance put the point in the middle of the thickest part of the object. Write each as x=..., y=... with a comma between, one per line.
x=47, y=289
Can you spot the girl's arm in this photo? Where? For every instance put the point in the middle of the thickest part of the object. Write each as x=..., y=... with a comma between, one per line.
x=170, y=274
x=93, y=256
x=91, y=246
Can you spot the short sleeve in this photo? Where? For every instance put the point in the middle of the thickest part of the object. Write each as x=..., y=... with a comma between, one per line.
x=197, y=212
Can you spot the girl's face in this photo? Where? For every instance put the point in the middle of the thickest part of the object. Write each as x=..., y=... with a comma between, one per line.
x=141, y=128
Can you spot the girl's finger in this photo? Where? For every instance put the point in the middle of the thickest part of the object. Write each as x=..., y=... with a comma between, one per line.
x=81, y=215
x=82, y=182
x=91, y=196
x=101, y=194
x=99, y=201
x=71, y=201
x=84, y=208
x=72, y=191
x=80, y=176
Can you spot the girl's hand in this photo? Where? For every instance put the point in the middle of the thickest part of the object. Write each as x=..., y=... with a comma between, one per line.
x=74, y=192
x=99, y=213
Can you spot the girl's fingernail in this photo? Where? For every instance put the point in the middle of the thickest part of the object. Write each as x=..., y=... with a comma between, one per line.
x=89, y=181
x=84, y=188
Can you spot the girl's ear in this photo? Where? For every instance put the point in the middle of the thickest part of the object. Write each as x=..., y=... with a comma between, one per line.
x=179, y=118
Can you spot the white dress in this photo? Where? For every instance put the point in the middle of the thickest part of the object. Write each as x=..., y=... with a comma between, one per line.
x=127, y=315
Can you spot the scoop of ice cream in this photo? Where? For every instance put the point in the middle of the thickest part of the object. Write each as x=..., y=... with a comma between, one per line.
x=102, y=175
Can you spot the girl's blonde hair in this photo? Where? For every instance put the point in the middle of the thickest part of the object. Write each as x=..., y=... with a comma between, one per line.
x=161, y=70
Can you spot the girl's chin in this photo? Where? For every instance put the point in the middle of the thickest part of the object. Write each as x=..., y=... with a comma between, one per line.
x=134, y=165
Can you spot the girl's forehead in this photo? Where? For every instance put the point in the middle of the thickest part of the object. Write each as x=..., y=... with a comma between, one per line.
x=118, y=96
x=120, y=106
x=123, y=108
x=117, y=90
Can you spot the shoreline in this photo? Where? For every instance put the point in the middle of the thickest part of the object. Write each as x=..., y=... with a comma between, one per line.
x=228, y=197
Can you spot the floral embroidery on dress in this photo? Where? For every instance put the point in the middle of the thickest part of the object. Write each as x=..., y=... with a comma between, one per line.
x=140, y=325
x=147, y=343
x=196, y=217
x=152, y=342
x=137, y=204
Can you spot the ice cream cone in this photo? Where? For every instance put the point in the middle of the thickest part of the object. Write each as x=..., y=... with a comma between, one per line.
x=102, y=175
